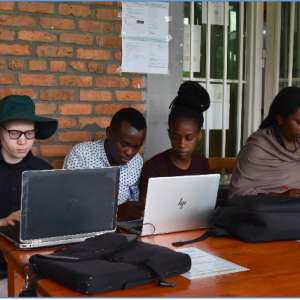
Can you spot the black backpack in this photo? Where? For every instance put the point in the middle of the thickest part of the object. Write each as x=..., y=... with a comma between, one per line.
x=255, y=218
x=110, y=262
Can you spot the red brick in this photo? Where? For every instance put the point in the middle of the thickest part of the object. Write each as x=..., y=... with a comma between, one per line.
x=75, y=109
x=37, y=80
x=36, y=7
x=101, y=135
x=128, y=96
x=78, y=66
x=119, y=4
x=74, y=136
x=54, y=150
x=45, y=141
x=108, y=14
x=74, y=10
x=15, y=49
x=74, y=38
x=118, y=55
x=102, y=122
x=44, y=109
x=95, y=95
x=111, y=82
x=118, y=28
x=56, y=23
x=7, y=35
x=7, y=92
x=93, y=54
x=109, y=42
x=2, y=64
x=103, y=3
x=137, y=83
x=57, y=95
x=16, y=64
x=36, y=36
x=54, y=51
x=7, y=79
x=57, y=163
x=37, y=65
x=139, y=107
x=91, y=26
x=76, y=81
x=95, y=67
x=66, y=123
x=33, y=150
x=58, y=66
x=108, y=109
x=7, y=5
x=16, y=20
x=113, y=69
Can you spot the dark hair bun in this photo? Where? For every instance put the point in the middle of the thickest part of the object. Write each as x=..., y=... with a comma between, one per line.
x=191, y=94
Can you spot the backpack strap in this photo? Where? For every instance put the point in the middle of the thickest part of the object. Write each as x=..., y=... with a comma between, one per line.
x=214, y=231
x=154, y=267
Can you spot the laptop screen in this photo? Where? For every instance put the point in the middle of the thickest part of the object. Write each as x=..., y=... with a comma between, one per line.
x=68, y=202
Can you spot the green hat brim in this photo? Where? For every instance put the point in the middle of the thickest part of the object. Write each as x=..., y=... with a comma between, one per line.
x=46, y=127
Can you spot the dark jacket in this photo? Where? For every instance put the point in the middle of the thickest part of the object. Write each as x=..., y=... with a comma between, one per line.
x=10, y=181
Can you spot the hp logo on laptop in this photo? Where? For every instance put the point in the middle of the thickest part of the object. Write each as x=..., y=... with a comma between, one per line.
x=181, y=203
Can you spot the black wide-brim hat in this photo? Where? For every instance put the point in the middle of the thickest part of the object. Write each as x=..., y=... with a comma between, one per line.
x=17, y=107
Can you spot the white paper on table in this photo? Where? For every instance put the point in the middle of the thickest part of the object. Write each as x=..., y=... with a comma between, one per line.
x=216, y=13
x=215, y=111
x=187, y=47
x=205, y=264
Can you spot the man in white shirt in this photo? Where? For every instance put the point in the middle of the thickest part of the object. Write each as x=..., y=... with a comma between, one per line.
x=125, y=136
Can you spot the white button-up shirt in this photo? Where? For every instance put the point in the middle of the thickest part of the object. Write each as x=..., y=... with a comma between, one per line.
x=92, y=155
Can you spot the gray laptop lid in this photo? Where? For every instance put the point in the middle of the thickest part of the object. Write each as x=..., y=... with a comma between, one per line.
x=58, y=203
x=180, y=203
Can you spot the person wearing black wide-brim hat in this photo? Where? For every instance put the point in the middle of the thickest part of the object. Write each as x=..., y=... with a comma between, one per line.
x=19, y=126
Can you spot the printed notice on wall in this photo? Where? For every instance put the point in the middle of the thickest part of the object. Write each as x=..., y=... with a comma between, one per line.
x=216, y=13
x=205, y=264
x=187, y=47
x=145, y=37
x=215, y=111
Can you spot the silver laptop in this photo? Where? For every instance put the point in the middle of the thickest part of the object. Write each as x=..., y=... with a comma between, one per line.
x=180, y=203
x=65, y=206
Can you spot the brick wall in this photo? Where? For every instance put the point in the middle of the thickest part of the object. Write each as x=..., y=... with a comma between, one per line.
x=67, y=57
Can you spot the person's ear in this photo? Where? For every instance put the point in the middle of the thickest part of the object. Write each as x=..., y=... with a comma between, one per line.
x=108, y=132
x=279, y=118
x=199, y=135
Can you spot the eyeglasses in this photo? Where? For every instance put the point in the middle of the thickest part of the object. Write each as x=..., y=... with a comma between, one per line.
x=15, y=134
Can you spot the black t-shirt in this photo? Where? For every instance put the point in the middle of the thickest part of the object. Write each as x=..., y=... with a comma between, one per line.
x=161, y=165
x=10, y=181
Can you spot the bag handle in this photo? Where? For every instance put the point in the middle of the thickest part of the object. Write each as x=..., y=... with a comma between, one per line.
x=209, y=233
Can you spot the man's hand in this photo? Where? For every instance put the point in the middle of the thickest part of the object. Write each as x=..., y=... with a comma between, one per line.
x=11, y=219
x=130, y=210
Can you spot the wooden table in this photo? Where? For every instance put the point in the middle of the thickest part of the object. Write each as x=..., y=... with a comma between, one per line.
x=273, y=271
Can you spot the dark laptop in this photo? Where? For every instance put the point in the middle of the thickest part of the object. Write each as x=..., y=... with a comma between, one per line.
x=65, y=206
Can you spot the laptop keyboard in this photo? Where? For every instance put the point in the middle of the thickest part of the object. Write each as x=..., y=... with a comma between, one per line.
x=13, y=232
x=5, y=228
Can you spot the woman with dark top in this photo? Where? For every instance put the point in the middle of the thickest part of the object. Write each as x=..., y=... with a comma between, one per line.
x=19, y=126
x=185, y=130
x=269, y=162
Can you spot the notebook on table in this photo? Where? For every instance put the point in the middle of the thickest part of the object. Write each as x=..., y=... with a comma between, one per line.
x=178, y=204
x=65, y=206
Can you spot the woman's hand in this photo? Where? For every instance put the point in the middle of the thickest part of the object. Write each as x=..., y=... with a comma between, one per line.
x=11, y=219
x=288, y=193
